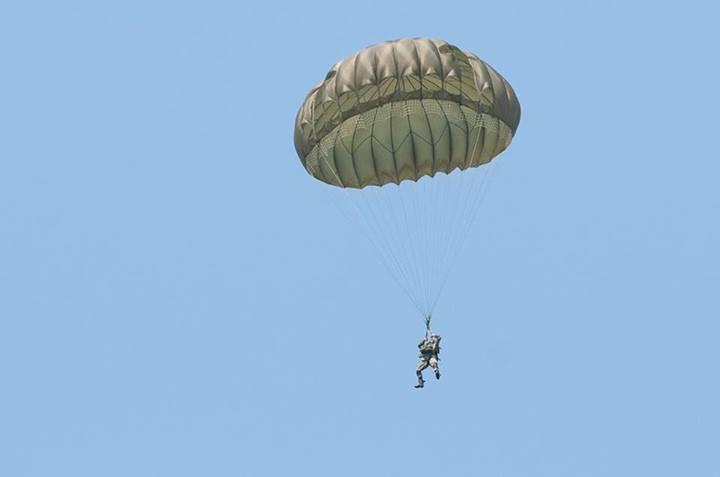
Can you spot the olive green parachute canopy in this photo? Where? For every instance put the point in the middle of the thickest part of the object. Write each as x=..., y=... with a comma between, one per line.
x=402, y=110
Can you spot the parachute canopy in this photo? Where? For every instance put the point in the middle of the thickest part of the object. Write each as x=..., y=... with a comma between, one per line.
x=403, y=110
x=394, y=115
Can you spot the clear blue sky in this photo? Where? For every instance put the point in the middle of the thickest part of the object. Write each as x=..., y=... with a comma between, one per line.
x=179, y=298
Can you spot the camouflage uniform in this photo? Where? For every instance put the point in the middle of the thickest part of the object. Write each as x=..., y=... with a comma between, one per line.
x=429, y=349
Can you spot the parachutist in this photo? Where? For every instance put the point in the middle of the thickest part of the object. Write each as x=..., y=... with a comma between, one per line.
x=429, y=350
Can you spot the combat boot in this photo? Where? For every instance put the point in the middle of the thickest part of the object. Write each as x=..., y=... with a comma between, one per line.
x=420, y=383
x=437, y=374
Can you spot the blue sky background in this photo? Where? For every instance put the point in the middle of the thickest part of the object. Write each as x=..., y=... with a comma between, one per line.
x=179, y=298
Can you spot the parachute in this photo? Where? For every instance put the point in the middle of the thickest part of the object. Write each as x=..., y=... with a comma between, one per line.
x=402, y=128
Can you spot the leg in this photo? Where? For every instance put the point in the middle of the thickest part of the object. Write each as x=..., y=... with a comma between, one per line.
x=422, y=366
x=435, y=366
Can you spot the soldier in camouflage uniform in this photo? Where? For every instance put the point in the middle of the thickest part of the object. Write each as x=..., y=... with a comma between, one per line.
x=429, y=349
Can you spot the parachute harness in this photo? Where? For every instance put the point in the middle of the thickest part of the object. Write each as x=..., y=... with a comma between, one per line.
x=428, y=331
